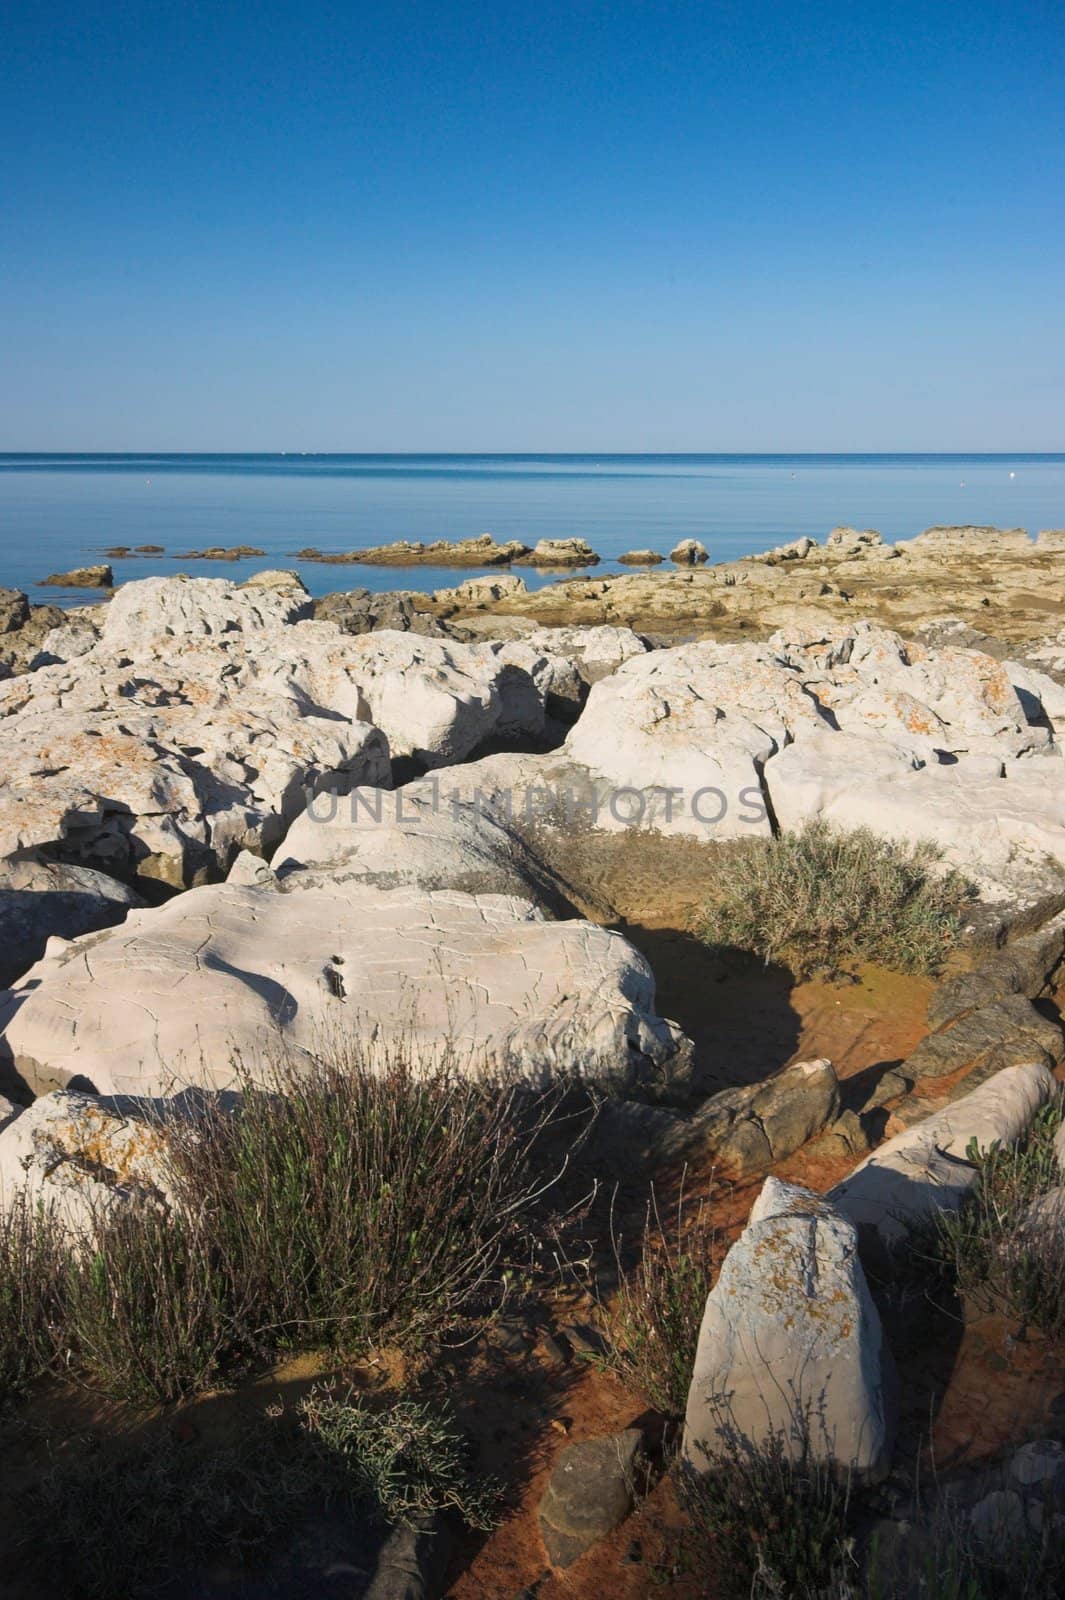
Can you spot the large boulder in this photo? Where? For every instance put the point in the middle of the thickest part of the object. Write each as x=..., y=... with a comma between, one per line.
x=41, y=898
x=907, y=1182
x=790, y=1349
x=228, y=975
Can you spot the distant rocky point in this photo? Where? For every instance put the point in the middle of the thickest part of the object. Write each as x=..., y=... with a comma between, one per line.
x=215, y=552
x=480, y=552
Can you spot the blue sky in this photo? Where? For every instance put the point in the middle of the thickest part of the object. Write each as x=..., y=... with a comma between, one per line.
x=631, y=226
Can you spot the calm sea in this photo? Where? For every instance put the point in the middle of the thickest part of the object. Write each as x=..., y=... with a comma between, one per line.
x=62, y=511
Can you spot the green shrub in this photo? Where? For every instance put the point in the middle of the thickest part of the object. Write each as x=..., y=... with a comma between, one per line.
x=998, y=1263
x=145, y=1310
x=765, y=1526
x=33, y=1261
x=336, y=1207
x=820, y=901
x=652, y=1323
x=345, y=1206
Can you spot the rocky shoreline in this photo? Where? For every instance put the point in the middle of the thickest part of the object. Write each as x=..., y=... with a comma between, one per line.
x=231, y=814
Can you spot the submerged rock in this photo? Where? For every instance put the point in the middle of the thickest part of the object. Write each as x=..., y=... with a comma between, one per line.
x=560, y=553
x=689, y=553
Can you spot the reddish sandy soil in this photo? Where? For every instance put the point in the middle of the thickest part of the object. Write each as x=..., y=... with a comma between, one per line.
x=971, y=1389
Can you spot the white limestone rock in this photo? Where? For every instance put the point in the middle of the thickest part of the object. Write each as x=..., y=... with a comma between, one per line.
x=81, y=1157
x=206, y=713
x=151, y=609
x=418, y=836
x=704, y=717
x=224, y=974
x=791, y=1346
x=924, y=1170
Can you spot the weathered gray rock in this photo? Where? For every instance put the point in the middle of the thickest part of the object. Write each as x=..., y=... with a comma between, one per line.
x=791, y=1347
x=14, y=610
x=906, y=1182
x=999, y=1519
x=40, y=899
x=590, y=1491
x=360, y=611
x=745, y=1130
x=1040, y=1463
x=81, y=1157
x=1005, y=1033
x=1023, y=967
x=222, y=975
x=641, y=558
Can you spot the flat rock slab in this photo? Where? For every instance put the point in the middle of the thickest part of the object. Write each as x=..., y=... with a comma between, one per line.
x=226, y=974
x=590, y=1491
x=791, y=1348
x=1004, y=1034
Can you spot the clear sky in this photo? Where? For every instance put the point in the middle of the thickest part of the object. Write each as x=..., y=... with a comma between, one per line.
x=635, y=225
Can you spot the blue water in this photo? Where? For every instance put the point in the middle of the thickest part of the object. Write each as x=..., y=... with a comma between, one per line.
x=61, y=511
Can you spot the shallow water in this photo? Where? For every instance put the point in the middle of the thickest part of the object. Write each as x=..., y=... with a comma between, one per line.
x=58, y=512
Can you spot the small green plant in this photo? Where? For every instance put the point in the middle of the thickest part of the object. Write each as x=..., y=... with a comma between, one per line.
x=821, y=901
x=765, y=1525
x=652, y=1323
x=1000, y=1259
x=408, y=1460
x=105, y=1527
